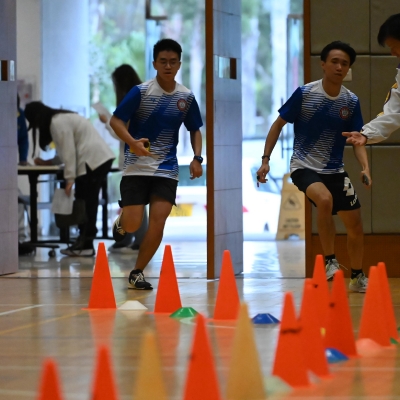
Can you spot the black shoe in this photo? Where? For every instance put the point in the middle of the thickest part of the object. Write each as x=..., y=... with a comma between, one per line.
x=118, y=233
x=25, y=249
x=137, y=281
x=79, y=249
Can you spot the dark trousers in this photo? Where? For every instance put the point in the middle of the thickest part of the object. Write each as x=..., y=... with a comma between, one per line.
x=87, y=187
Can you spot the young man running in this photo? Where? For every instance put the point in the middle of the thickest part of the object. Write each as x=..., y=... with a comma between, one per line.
x=321, y=111
x=387, y=121
x=155, y=111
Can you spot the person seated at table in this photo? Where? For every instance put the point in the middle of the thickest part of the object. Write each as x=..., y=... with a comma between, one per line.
x=86, y=157
x=124, y=79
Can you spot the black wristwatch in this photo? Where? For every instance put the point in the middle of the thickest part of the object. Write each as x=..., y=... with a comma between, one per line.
x=198, y=158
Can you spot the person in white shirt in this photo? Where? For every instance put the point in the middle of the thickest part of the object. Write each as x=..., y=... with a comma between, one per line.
x=87, y=160
x=124, y=79
x=388, y=120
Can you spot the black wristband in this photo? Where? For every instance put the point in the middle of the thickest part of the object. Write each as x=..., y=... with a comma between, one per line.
x=266, y=156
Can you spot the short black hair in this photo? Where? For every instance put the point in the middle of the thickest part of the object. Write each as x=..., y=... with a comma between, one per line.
x=167, y=45
x=390, y=28
x=338, y=45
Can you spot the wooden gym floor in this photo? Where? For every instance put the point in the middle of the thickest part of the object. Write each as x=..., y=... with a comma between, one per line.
x=41, y=315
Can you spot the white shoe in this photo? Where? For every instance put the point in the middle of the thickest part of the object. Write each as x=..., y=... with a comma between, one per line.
x=332, y=266
x=359, y=283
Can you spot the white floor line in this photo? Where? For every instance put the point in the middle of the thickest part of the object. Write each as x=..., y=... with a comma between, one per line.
x=19, y=309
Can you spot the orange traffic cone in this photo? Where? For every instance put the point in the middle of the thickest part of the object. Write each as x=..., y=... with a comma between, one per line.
x=245, y=379
x=387, y=301
x=339, y=329
x=313, y=346
x=321, y=290
x=374, y=324
x=201, y=380
x=149, y=383
x=227, y=303
x=102, y=293
x=104, y=383
x=168, y=299
x=49, y=388
x=289, y=362
x=102, y=323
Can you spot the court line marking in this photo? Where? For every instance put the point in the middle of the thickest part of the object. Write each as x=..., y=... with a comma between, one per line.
x=19, y=309
x=41, y=322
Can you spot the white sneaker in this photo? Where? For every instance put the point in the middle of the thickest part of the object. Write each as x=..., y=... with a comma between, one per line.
x=359, y=283
x=331, y=268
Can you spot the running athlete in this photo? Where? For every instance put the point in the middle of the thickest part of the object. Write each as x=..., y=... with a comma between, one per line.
x=320, y=112
x=155, y=111
x=387, y=121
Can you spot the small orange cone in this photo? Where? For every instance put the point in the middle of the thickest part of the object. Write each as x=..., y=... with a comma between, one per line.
x=387, y=301
x=374, y=323
x=245, y=378
x=149, y=384
x=104, y=382
x=49, y=388
x=201, y=379
x=313, y=346
x=168, y=299
x=289, y=362
x=102, y=292
x=339, y=333
x=227, y=303
x=321, y=290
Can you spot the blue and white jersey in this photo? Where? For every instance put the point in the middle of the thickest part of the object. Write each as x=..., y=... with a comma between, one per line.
x=157, y=115
x=319, y=121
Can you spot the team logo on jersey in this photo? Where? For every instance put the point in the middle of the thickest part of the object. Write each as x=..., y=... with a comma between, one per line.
x=181, y=104
x=344, y=113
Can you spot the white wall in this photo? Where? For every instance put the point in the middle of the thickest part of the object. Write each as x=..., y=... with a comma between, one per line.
x=29, y=44
x=65, y=37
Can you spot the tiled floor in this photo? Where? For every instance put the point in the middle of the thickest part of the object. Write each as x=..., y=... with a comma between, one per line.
x=41, y=314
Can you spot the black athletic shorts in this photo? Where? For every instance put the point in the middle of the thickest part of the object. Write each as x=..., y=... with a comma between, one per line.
x=137, y=189
x=342, y=190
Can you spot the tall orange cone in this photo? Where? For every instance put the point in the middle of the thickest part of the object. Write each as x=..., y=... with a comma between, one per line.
x=49, y=388
x=168, y=299
x=102, y=292
x=104, y=383
x=374, y=323
x=313, y=346
x=321, y=290
x=201, y=379
x=227, y=303
x=289, y=362
x=339, y=329
x=149, y=384
x=387, y=301
x=245, y=379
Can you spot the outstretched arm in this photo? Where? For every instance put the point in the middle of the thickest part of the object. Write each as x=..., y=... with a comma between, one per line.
x=270, y=143
x=355, y=138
